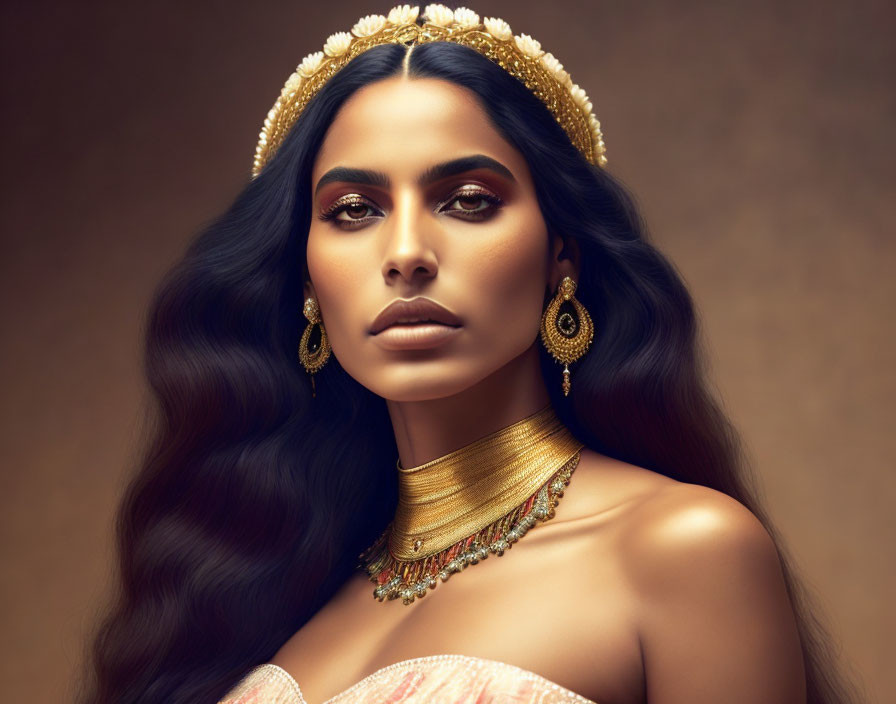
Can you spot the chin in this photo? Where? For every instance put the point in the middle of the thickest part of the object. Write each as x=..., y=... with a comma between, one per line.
x=422, y=382
x=421, y=390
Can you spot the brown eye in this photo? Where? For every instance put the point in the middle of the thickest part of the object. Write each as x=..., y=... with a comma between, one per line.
x=355, y=211
x=473, y=204
x=470, y=202
x=349, y=213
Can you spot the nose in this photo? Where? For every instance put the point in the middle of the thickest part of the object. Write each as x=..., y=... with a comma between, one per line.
x=408, y=254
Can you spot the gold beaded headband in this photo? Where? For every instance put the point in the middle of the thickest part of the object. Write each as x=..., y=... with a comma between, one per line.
x=520, y=55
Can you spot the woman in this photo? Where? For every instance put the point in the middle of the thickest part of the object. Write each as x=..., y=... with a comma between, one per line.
x=431, y=195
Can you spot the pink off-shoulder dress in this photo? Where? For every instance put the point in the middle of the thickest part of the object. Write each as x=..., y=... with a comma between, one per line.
x=433, y=679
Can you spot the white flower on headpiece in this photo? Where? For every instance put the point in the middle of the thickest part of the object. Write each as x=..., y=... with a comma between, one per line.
x=556, y=68
x=439, y=15
x=581, y=97
x=369, y=24
x=498, y=28
x=528, y=45
x=337, y=44
x=292, y=84
x=310, y=64
x=597, y=135
x=403, y=14
x=550, y=62
x=595, y=123
x=465, y=17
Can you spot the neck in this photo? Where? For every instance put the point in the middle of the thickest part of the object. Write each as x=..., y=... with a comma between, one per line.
x=428, y=429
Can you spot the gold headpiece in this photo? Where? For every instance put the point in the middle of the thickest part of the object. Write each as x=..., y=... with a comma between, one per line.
x=520, y=55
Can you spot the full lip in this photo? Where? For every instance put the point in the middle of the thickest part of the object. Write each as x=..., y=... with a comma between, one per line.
x=415, y=310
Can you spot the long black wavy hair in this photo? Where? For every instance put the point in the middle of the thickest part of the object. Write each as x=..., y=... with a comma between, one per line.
x=253, y=500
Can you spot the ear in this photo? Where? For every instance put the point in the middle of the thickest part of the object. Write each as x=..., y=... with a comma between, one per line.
x=308, y=291
x=566, y=260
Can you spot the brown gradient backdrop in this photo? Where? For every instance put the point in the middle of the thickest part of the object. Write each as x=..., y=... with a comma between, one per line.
x=757, y=136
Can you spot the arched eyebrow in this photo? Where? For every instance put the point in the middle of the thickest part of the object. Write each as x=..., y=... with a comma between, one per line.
x=431, y=175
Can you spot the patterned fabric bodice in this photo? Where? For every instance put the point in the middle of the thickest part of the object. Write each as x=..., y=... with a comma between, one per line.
x=434, y=679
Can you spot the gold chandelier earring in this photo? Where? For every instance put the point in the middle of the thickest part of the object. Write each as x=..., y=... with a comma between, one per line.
x=566, y=328
x=314, y=347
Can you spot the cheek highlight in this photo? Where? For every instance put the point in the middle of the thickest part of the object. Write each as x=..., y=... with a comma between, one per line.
x=334, y=280
x=507, y=281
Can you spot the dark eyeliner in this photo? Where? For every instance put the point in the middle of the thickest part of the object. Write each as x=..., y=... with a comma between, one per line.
x=478, y=192
x=343, y=202
x=332, y=212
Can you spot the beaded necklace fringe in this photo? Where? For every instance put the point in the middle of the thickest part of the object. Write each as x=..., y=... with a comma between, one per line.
x=414, y=578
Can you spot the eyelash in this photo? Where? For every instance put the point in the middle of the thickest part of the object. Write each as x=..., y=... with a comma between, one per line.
x=354, y=200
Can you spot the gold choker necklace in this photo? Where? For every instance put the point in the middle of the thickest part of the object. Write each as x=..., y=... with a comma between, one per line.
x=480, y=499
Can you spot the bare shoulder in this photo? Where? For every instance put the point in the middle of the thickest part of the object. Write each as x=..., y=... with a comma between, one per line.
x=707, y=585
x=685, y=534
x=661, y=525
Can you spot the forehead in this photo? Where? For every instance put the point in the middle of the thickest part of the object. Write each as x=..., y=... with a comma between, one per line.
x=400, y=125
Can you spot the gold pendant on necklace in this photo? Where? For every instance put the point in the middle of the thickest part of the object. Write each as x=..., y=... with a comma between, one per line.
x=409, y=579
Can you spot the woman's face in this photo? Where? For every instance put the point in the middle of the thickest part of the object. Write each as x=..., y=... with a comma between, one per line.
x=416, y=197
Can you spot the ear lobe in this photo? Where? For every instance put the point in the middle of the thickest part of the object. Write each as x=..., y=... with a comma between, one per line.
x=308, y=291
